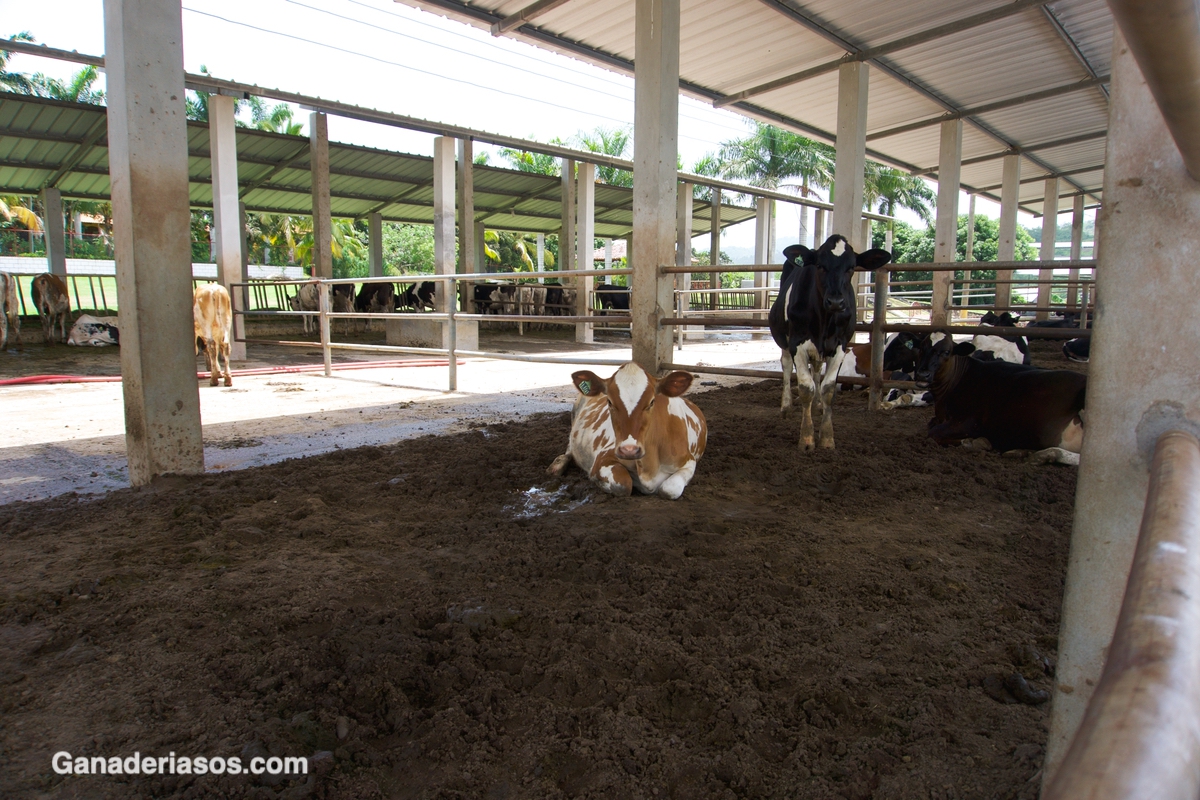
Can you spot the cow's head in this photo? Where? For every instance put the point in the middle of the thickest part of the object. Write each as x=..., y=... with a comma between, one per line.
x=934, y=352
x=631, y=394
x=1005, y=320
x=294, y=301
x=833, y=262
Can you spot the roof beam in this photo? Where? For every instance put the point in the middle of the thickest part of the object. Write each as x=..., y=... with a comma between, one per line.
x=1072, y=46
x=250, y=187
x=903, y=43
x=1020, y=151
x=1062, y=174
x=98, y=129
x=1020, y=100
x=526, y=14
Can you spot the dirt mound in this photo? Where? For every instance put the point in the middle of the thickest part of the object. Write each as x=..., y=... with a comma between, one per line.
x=446, y=621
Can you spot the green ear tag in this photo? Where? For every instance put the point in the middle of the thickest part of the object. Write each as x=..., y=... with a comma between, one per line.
x=585, y=387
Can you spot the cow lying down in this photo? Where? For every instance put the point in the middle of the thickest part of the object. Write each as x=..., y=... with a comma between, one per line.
x=635, y=431
x=1010, y=407
x=94, y=331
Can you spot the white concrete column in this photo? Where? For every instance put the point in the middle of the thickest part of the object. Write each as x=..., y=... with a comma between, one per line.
x=683, y=254
x=375, y=244
x=318, y=136
x=466, y=206
x=819, y=235
x=566, y=237
x=443, y=218
x=762, y=245
x=655, y=175
x=230, y=235
x=862, y=279
x=541, y=254
x=851, y=158
x=945, y=248
x=1145, y=357
x=805, y=231
x=148, y=166
x=585, y=233
x=481, y=259
x=1006, y=245
x=56, y=241
x=965, y=297
x=1076, y=251
x=1049, y=234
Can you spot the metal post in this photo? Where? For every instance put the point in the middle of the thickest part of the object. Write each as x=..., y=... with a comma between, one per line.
x=585, y=233
x=1147, y=276
x=1049, y=235
x=655, y=175
x=148, y=166
x=946, y=242
x=875, y=394
x=1006, y=246
x=322, y=253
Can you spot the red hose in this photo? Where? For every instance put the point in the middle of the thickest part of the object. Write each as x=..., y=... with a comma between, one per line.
x=33, y=380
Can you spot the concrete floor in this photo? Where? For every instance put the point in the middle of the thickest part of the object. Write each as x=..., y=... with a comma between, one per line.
x=61, y=438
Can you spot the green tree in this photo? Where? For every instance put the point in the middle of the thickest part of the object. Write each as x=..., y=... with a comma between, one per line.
x=18, y=82
x=538, y=163
x=407, y=248
x=79, y=89
x=893, y=189
x=770, y=156
x=615, y=142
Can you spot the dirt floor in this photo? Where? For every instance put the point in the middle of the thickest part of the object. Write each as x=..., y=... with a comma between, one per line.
x=438, y=618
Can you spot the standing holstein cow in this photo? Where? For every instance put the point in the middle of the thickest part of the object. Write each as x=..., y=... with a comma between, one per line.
x=10, y=309
x=812, y=321
x=213, y=316
x=53, y=304
x=306, y=298
x=635, y=431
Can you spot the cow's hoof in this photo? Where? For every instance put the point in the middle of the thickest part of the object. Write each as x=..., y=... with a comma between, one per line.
x=981, y=444
x=229, y=382
x=559, y=465
x=826, y=443
x=784, y=411
x=807, y=445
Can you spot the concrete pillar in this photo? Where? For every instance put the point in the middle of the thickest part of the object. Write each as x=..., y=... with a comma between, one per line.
x=851, y=158
x=148, y=166
x=862, y=279
x=585, y=234
x=965, y=297
x=945, y=249
x=227, y=209
x=714, y=247
x=805, y=230
x=1049, y=234
x=762, y=246
x=56, y=240
x=819, y=236
x=608, y=253
x=1006, y=245
x=322, y=255
x=443, y=217
x=481, y=259
x=1145, y=356
x=1076, y=251
x=566, y=237
x=465, y=178
x=375, y=244
x=655, y=175
x=541, y=254
x=683, y=254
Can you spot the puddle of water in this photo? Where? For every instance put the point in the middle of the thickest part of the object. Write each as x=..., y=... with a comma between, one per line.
x=536, y=502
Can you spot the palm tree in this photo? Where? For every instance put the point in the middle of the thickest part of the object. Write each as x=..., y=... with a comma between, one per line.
x=15, y=81
x=538, y=163
x=892, y=188
x=277, y=119
x=77, y=90
x=769, y=156
x=611, y=142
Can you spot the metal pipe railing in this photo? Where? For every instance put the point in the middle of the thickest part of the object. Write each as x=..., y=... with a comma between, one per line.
x=1140, y=735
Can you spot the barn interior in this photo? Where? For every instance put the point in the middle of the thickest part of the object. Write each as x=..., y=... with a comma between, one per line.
x=1043, y=106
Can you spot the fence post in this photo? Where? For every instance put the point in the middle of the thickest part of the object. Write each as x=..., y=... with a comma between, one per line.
x=875, y=394
x=323, y=314
x=452, y=334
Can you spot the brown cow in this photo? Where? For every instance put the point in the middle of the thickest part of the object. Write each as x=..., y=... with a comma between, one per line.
x=212, y=314
x=10, y=309
x=53, y=304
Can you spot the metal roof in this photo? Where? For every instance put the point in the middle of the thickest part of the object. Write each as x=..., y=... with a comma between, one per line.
x=1020, y=74
x=49, y=142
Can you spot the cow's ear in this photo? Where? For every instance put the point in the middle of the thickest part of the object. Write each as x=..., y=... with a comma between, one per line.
x=796, y=252
x=588, y=382
x=963, y=349
x=675, y=384
x=872, y=259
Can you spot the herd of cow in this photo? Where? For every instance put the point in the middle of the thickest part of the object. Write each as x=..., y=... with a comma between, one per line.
x=633, y=431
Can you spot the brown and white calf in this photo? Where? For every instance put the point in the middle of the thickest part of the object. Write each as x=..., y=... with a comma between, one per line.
x=635, y=431
x=53, y=304
x=213, y=316
x=10, y=309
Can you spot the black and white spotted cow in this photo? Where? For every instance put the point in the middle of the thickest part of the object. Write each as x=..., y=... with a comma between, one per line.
x=89, y=331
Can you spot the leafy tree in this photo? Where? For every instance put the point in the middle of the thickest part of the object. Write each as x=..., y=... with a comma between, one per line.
x=277, y=119
x=407, y=248
x=18, y=82
x=79, y=89
x=770, y=156
x=538, y=163
x=616, y=142
x=892, y=188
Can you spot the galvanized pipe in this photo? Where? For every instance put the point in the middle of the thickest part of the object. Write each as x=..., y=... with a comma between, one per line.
x=1164, y=37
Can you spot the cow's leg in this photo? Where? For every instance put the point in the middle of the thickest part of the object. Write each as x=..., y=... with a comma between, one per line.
x=559, y=465
x=833, y=365
x=806, y=380
x=212, y=358
x=611, y=475
x=948, y=433
x=788, y=363
x=63, y=326
x=225, y=351
x=673, y=486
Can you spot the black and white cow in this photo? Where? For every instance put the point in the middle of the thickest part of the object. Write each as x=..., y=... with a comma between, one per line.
x=417, y=296
x=1078, y=349
x=812, y=321
x=94, y=331
x=375, y=298
x=900, y=354
x=613, y=298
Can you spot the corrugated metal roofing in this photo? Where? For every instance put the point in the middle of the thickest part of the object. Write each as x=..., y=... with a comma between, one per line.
x=728, y=46
x=40, y=138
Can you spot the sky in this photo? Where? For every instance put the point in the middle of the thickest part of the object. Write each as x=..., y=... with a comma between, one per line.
x=387, y=56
